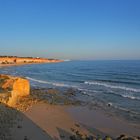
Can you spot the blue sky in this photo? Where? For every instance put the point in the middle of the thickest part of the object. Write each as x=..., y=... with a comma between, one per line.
x=70, y=29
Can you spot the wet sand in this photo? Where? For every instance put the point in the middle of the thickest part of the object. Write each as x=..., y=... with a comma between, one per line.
x=45, y=121
x=41, y=119
x=54, y=120
x=103, y=122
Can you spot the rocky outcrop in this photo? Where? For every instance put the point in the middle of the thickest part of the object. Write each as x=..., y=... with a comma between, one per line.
x=16, y=86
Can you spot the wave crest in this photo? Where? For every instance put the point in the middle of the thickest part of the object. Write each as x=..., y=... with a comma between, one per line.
x=50, y=83
x=112, y=86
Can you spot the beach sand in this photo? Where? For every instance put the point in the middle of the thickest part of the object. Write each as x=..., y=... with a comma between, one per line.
x=54, y=120
x=47, y=114
x=44, y=121
x=103, y=122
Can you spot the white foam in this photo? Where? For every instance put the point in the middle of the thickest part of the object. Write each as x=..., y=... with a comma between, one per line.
x=112, y=86
x=87, y=90
x=131, y=97
x=127, y=110
x=39, y=81
x=51, y=83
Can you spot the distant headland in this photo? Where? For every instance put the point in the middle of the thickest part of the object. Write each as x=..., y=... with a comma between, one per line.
x=15, y=60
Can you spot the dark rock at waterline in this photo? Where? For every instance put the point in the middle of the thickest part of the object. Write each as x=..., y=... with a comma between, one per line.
x=109, y=104
x=73, y=137
x=124, y=137
x=70, y=92
x=107, y=138
x=53, y=91
x=25, y=138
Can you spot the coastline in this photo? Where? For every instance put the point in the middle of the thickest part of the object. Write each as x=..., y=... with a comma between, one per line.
x=67, y=117
x=10, y=65
x=60, y=117
x=17, y=61
x=62, y=122
x=21, y=64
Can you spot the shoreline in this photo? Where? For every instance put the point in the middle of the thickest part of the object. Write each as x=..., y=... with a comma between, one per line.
x=17, y=61
x=51, y=120
x=62, y=121
x=22, y=64
x=92, y=119
x=100, y=120
x=60, y=115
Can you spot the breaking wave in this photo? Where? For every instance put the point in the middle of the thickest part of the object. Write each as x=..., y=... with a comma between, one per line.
x=50, y=83
x=90, y=93
x=131, y=97
x=112, y=86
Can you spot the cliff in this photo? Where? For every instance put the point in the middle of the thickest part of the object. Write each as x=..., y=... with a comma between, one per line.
x=21, y=60
x=14, y=87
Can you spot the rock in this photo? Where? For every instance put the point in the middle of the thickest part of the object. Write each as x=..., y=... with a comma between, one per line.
x=89, y=138
x=121, y=137
x=21, y=87
x=109, y=104
x=107, y=138
x=73, y=137
x=124, y=137
x=19, y=126
x=18, y=87
x=25, y=138
x=52, y=91
x=70, y=92
x=77, y=125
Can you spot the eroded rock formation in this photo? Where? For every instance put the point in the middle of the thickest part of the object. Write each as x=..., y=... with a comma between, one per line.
x=15, y=86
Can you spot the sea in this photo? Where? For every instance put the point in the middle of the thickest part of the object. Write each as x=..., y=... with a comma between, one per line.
x=114, y=83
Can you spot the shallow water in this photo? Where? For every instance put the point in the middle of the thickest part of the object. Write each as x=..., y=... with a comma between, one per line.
x=113, y=82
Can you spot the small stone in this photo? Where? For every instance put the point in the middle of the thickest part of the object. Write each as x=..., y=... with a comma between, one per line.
x=107, y=138
x=19, y=126
x=25, y=138
x=72, y=137
x=109, y=104
x=62, y=136
x=77, y=125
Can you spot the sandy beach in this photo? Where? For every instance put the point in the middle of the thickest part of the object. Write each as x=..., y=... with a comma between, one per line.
x=53, y=114
x=44, y=121
x=54, y=120
x=34, y=119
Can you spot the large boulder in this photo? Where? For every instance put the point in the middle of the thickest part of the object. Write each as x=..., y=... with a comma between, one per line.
x=21, y=87
x=16, y=86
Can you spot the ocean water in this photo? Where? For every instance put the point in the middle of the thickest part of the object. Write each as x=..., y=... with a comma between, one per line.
x=113, y=82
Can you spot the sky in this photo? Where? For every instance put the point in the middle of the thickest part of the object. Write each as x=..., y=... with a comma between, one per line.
x=70, y=29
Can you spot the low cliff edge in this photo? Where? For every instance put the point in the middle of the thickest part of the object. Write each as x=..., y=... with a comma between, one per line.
x=12, y=88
